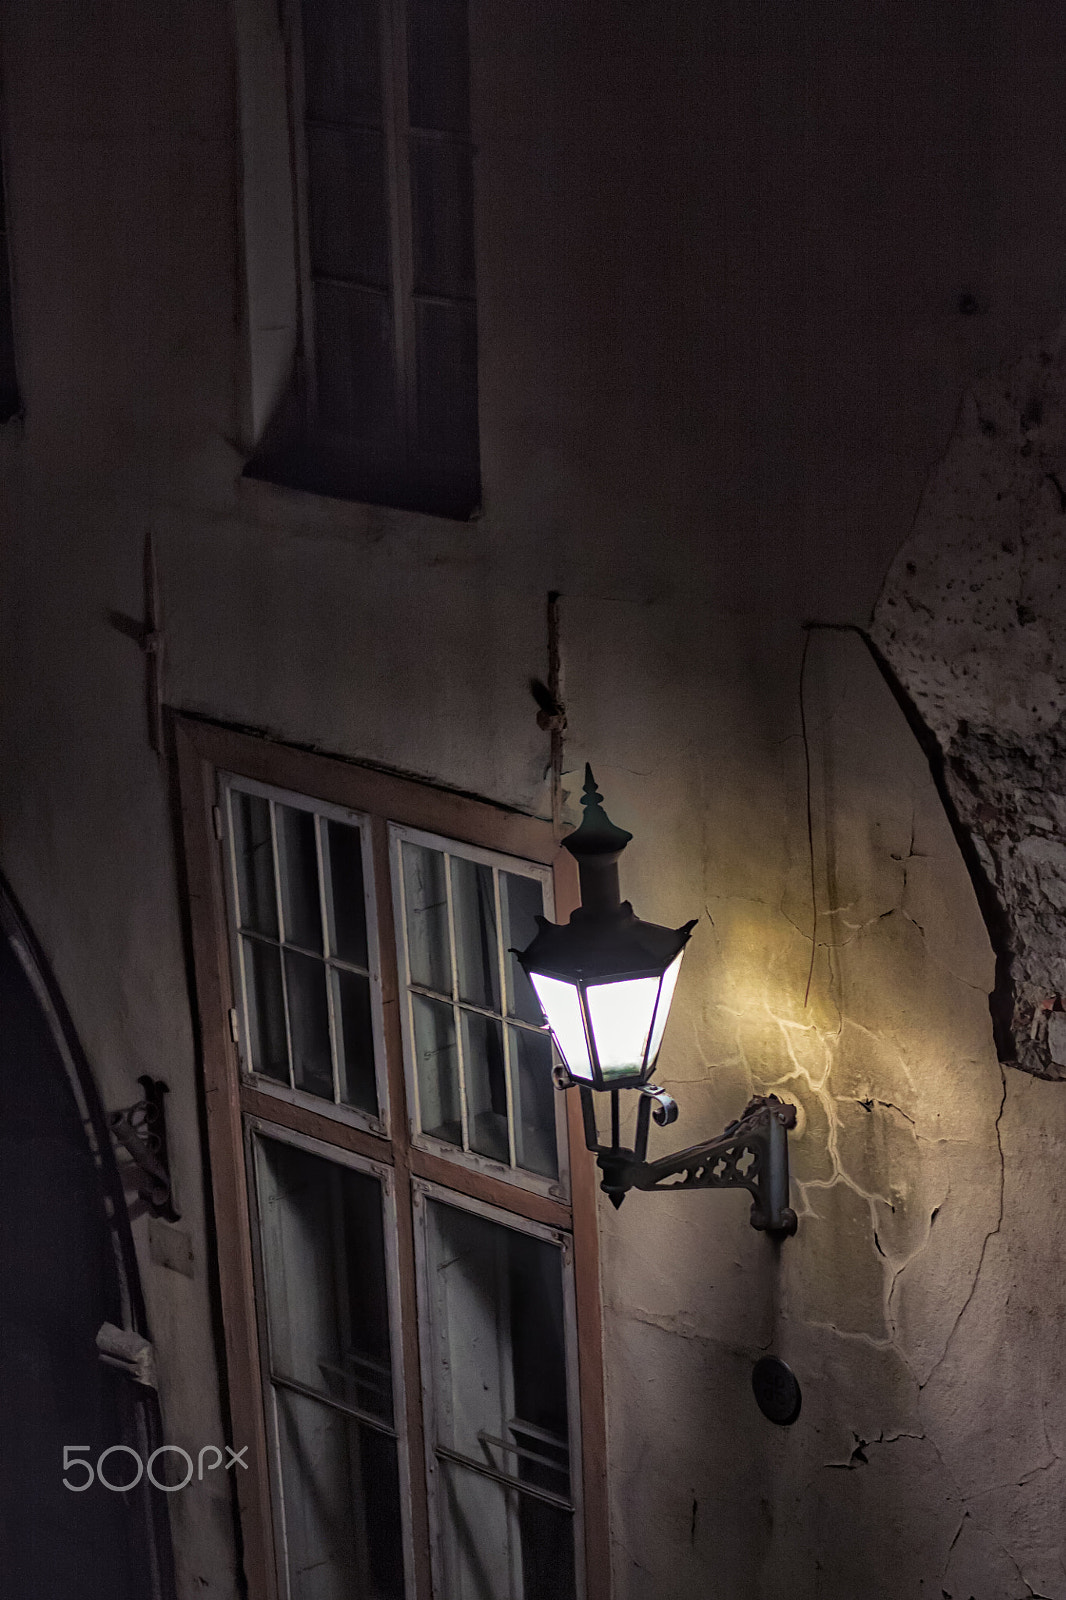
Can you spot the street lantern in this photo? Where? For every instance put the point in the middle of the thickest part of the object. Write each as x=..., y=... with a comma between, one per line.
x=605, y=981
x=606, y=978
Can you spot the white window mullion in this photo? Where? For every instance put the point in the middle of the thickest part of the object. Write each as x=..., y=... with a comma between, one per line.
x=508, y=1073
x=278, y=897
x=325, y=892
x=456, y=1013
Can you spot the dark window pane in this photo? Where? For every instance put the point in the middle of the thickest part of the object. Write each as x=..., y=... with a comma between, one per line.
x=438, y=65
x=426, y=914
x=437, y=1067
x=348, y=215
x=298, y=861
x=253, y=853
x=347, y=904
x=355, y=1039
x=447, y=382
x=483, y=1558
x=341, y=1491
x=342, y=60
x=442, y=187
x=324, y=1264
x=536, y=1147
x=521, y=902
x=266, y=1010
x=354, y=363
x=497, y=1336
x=312, y=1062
x=477, y=956
x=486, y=1085
x=500, y=1341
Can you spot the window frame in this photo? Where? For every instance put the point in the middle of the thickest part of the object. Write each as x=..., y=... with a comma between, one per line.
x=561, y=1240
x=338, y=1110
x=204, y=750
x=558, y=1187
x=258, y=1127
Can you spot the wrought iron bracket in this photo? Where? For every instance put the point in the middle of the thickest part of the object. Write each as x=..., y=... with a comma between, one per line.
x=752, y=1154
x=141, y=1130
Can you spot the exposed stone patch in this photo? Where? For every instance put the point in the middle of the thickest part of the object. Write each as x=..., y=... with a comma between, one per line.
x=972, y=620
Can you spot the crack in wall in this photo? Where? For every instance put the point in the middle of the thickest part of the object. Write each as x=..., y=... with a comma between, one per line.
x=989, y=1236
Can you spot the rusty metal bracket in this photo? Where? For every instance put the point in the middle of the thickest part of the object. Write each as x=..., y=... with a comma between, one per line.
x=752, y=1154
x=141, y=1130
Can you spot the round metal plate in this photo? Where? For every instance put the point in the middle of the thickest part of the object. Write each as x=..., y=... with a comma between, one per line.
x=777, y=1390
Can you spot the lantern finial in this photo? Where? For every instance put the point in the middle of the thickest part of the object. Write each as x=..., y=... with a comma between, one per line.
x=597, y=836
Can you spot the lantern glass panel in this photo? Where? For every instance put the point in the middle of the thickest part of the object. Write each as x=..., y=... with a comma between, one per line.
x=562, y=1007
x=662, y=1010
x=621, y=1016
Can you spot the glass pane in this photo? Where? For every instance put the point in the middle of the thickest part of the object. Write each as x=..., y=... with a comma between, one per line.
x=498, y=1343
x=446, y=362
x=253, y=854
x=324, y=1265
x=347, y=205
x=501, y=1545
x=486, y=1085
x=477, y=957
x=442, y=195
x=426, y=910
x=298, y=862
x=562, y=1007
x=662, y=1009
x=355, y=1039
x=347, y=908
x=266, y=1009
x=438, y=64
x=621, y=1015
x=312, y=1060
x=341, y=1496
x=521, y=901
x=342, y=60
x=437, y=1066
x=536, y=1147
x=354, y=362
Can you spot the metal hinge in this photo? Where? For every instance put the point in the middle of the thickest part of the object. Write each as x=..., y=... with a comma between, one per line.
x=216, y=818
x=234, y=1031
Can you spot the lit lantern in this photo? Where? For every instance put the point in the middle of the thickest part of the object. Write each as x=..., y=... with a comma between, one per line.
x=606, y=978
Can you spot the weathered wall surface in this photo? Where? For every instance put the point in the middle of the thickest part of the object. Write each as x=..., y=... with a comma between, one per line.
x=736, y=270
x=973, y=621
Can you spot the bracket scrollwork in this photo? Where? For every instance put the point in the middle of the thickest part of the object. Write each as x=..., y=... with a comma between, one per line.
x=751, y=1153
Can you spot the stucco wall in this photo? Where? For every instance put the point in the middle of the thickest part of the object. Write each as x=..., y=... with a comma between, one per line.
x=737, y=269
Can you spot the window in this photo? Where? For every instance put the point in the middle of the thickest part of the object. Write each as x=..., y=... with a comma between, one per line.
x=407, y=1266
x=384, y=404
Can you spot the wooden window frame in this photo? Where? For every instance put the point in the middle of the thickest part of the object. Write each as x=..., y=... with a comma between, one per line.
x=205, y=750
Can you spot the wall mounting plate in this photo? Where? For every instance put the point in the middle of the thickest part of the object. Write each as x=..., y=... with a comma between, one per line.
x=777, y=1391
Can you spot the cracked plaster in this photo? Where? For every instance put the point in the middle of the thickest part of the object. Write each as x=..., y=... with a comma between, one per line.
x=972, y=619
x=917, y=1303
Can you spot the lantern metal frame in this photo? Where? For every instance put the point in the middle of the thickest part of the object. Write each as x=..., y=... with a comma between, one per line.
x=605, y=942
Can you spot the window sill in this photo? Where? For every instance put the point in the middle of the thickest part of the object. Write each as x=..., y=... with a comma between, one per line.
x=308, y=467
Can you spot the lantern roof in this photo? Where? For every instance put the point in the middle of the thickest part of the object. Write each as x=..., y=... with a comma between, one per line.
x=604, y=938
x=596, y=946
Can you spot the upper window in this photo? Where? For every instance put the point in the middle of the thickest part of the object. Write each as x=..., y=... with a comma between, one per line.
x=384, y=406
